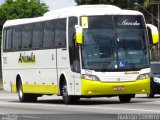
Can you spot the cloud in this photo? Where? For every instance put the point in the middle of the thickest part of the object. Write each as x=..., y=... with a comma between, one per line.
x=56, y=4
x=1, y=1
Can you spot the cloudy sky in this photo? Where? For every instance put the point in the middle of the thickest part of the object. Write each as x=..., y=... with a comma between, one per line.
x=55, y=4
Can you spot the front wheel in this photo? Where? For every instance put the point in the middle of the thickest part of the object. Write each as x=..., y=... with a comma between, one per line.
x=125, y=98
x=67, y=98
x=24, y=97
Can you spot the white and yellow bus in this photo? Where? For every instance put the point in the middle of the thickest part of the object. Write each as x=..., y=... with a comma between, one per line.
x=82, y=51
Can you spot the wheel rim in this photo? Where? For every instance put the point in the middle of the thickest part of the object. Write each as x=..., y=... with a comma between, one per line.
x=20, y=90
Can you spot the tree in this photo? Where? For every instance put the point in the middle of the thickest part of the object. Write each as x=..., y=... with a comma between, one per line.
x=129, y=4
x=15, y=9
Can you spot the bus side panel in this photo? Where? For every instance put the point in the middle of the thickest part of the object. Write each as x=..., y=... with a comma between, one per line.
x=8, y=70
x=36, y=73
x=7, y=80
x=63, y=66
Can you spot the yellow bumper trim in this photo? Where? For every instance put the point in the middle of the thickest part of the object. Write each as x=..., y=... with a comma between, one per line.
x=105, y=88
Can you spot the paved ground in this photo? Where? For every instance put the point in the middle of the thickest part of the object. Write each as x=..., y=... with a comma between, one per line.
x=53, y=108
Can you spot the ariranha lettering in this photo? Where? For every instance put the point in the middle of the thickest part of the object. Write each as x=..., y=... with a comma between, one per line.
x=127, y=23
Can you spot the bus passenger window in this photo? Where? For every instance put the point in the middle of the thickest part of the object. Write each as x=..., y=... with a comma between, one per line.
x=27, y=36
x=4, y=39
x=48, y=34
x=17, y=37
x=60, y=33
x=37, y=35
x=8, y=39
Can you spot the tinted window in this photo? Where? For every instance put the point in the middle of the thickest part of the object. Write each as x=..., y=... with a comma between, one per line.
x=73, y=49
x=37, y=35
x=8, y=39
x=27, y=36
x=48, y=34
x=17, y=33
x=4, y=39
x=60, y=33
x=97, y=22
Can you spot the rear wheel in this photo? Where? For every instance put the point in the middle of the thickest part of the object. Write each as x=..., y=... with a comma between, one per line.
x=24, y=97
x=125, y=98
x=67, y=98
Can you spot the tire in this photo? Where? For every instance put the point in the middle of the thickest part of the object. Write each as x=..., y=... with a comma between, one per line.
x=24, y=97
x=150, y=95
x=133, y=95
x=67, y=98
x=125, y=98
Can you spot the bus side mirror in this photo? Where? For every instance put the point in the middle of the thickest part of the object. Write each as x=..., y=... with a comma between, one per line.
x=79, y=34
x=153, y=34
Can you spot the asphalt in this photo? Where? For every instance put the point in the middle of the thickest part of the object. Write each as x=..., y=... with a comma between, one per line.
x=86, y=108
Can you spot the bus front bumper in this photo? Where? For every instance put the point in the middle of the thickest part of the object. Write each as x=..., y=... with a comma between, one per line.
x=98, y=88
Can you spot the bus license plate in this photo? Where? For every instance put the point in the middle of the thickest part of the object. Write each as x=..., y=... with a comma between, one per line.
x=118, y=88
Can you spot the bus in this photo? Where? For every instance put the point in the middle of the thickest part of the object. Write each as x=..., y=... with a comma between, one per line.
x=78, y=52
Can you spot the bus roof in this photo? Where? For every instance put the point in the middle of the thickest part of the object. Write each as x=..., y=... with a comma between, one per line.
x=83, y=10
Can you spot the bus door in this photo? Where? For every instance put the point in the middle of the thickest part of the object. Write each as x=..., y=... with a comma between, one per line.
x=74, y=55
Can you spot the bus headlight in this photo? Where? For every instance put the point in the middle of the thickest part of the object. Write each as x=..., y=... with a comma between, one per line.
x=143, y=76
x=90, y=77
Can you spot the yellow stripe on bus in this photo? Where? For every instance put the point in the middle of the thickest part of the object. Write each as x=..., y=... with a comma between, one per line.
x=13, y=88
x=37, y=89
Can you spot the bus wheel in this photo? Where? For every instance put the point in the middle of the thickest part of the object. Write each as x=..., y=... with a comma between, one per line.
x=67, y=98
x=125, y=98
x=24, y=97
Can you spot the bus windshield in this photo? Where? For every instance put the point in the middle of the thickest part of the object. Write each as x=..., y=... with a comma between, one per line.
x=114, y=43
